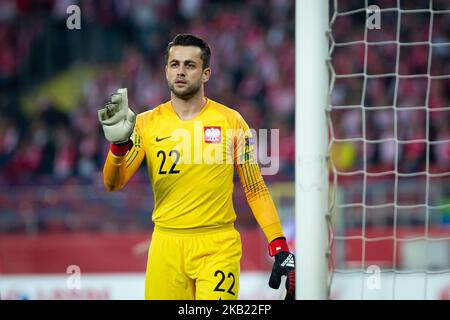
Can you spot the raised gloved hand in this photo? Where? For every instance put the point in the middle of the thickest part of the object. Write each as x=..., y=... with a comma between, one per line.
x=284, y=265
x=117, y=119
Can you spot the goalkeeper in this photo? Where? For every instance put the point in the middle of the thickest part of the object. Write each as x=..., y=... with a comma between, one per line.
x=195, y=251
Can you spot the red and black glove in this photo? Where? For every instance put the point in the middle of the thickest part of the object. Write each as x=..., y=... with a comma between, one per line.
x=284, y=265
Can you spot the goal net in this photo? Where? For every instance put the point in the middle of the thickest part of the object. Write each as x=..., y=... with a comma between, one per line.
x=389, y=127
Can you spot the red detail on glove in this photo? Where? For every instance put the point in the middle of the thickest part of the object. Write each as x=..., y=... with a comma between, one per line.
x=277, y=246
x=121, y=149
x=291, y=287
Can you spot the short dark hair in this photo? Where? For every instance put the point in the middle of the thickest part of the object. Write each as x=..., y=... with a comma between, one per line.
x=191, y=40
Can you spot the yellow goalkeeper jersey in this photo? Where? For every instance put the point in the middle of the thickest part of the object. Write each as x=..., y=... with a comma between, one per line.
x=191, y=165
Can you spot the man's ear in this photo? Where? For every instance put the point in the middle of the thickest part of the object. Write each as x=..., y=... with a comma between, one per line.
x=165, y=70
x=206, y=75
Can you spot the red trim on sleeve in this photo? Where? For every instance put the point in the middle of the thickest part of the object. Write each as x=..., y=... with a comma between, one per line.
x=121, y=149
x=277, y=246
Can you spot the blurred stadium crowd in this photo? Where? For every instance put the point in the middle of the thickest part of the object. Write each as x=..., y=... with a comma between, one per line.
x=49, y=132
x=53, y=139
x=400, y=74
x=253, y=52
x=412, y=108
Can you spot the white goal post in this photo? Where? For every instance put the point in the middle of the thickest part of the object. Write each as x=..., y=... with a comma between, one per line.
x=311, y=135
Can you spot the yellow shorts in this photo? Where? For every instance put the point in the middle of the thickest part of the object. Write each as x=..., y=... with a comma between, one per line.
x=186, y=265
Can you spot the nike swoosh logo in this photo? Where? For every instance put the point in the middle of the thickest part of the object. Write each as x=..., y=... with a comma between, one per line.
x=161, y=139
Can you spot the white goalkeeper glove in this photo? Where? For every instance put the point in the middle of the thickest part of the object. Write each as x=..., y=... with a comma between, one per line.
x=117, y=119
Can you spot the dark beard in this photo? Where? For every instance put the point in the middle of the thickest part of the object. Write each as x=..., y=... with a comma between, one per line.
x=187, y=94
